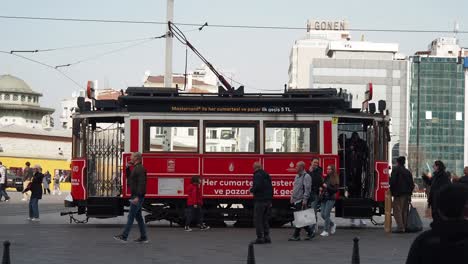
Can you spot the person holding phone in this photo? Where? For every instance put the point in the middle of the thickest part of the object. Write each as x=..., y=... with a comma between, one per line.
x=137, y=184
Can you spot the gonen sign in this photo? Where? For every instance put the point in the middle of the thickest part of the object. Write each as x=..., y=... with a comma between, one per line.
x=327, y=25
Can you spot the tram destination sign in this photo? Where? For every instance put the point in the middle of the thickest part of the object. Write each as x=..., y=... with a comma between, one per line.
x=232, y=109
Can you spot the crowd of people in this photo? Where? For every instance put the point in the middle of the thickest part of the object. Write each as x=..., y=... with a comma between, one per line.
x=447, y=203
x=35, y=184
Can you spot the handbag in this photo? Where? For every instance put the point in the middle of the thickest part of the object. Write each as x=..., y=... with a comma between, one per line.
x=304, y=218
x=414, y=223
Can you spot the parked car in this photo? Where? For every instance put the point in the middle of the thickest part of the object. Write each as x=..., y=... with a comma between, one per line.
x=14, y=181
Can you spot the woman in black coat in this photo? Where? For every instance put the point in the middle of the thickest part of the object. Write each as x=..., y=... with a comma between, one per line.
x=440, y=178
x=36, y=193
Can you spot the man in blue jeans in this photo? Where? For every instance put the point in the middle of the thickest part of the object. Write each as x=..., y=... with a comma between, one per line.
x=137, y=184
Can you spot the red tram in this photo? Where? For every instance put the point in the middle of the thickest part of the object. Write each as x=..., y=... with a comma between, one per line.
x=219, y=137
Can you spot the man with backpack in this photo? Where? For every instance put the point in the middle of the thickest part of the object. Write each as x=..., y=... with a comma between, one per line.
x=262, y=190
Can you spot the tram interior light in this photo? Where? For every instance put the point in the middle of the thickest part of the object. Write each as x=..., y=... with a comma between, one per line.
x=372, y=108
x=382, y=106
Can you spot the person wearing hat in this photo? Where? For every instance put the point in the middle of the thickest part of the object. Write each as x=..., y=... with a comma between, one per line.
x=447, y=240
x=401, y=187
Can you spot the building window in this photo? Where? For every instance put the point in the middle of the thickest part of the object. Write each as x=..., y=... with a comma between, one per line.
x=212, y=134
x=7, y=97
x=15, y=97
x=459, y=116
x=191, y=132
x=428, y=115
x=29, y=99
x=23, y=98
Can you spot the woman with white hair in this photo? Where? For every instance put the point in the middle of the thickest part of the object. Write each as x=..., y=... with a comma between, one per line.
x=36, y=193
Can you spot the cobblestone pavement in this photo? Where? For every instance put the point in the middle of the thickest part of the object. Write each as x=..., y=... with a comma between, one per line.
x=53, y=240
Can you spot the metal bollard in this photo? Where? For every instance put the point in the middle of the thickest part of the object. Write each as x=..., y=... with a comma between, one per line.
x=251, y=254
x=6, y=252
x=355, y=259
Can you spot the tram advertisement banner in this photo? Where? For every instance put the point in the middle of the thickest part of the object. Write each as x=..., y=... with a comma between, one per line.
x=78, y=189
x=222, y=187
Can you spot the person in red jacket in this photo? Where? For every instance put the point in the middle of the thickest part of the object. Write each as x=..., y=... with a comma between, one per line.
x=194, y=205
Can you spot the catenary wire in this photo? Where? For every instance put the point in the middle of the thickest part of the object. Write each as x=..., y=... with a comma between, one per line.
x=45, y=65
x=82, y=45
x=109, y=52
x=224, y=25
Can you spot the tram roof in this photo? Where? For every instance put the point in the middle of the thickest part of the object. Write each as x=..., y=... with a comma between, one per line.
x=167, y=100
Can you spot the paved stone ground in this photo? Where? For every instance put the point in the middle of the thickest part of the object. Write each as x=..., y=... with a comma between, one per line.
x=53, y=240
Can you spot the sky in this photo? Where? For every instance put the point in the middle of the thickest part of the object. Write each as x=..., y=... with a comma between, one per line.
x=259, y=58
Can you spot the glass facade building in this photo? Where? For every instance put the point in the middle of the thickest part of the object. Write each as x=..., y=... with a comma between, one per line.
x=441, y=113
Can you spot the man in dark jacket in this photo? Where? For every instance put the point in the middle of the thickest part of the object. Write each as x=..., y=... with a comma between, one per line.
x=439, y=180
x=447, y=240
x=137, y=185
x=401, y=187
x=262, y=191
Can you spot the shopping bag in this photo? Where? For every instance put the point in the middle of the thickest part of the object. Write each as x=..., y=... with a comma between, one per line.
x=414, y=223
x=304, y=218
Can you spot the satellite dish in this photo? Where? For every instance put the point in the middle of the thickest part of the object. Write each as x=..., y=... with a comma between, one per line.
x=90, y=90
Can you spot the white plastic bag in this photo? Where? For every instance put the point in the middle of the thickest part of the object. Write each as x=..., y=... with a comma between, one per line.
x=304, y=218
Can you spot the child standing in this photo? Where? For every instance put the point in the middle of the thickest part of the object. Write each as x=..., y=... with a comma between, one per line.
x=194, y=205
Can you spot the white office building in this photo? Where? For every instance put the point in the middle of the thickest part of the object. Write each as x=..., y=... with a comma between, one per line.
x=328, y=58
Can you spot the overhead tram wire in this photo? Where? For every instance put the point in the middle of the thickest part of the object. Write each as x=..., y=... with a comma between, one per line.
x=221, y=25
x=82, y=45
x=109, y=52
x=45, y=65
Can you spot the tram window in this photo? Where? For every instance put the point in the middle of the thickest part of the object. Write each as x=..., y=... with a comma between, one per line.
x=171, y=136
x=230, y=137
x=291, y=138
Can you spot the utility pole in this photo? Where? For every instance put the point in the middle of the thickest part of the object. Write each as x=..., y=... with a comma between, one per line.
x=168, y=72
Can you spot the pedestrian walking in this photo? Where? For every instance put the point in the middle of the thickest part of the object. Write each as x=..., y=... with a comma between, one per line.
x=46, y=183
x=262, y=191
x=27, y=177
x=36, y=193
x=300, y=198
x=401, y=187
x=447, y=240
x=464, y=178
x=315, y=173
x=328, y=197
x=439, y=180
x=57, y=185
x=3, y=182
x=137, y=184
x=194, y=205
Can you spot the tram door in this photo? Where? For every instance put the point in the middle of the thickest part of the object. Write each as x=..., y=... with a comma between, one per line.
x=105, y=142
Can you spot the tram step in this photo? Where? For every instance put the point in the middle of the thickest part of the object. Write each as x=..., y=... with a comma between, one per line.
x=104, y=207
x=354, y=208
